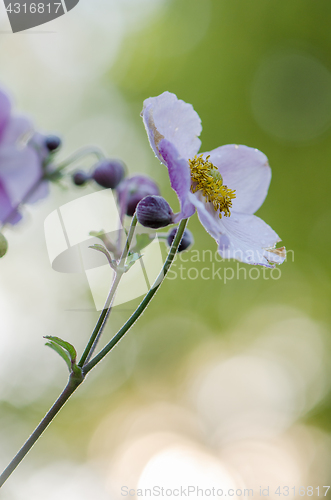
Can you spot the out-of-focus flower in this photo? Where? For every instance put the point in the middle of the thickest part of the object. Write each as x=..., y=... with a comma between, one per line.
x=132, y=190
x=226, y=186
x=186, y=241
x=80, y=177
x=38, y=143
x=21, y=171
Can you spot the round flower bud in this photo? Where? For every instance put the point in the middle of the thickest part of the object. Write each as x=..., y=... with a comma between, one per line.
x=52, y=142
x=186, y=241
x=132, y=190
x=154, y=211
x=109, y=173
x=80, y=177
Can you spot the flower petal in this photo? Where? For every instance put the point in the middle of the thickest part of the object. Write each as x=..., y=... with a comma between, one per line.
x=6, y=208
x=250, y=240
x=206, y=215
x=38, y=142
x=41, y=192
x=20, y=169
x=180, y=178
x=242, y=237
x=247, y=171
x=16, y=128
x=167, y=117
x=5, y=108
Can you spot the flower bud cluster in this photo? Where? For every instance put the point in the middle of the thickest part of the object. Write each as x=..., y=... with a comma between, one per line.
x=135, y=194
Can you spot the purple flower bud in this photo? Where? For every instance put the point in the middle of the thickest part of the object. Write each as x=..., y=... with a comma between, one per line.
x=154, y=212
x=187, y=239
x=52, y=142
x=80, y=178
x=109, y=173
x=132, y=190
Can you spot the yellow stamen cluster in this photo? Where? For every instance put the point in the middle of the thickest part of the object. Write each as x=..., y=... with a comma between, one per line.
x=207, y=179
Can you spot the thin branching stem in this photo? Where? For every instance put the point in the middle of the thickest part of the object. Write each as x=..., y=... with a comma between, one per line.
x=142, y=306
x=103, y=318
x=77, y=378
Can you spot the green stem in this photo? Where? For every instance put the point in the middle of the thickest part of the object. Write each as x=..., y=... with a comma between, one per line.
x=142, y=306
x=70, y=388
x=103, y=318
x=80, y=154
x=77, y=378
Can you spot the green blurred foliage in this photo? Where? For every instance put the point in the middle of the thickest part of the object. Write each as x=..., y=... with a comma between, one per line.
x=208, y=53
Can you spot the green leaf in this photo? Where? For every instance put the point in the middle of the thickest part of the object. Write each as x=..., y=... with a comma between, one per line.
x=54, y=176
x=105, y=240
x=102, y=249
x=97, y=234
x=3, y=245
x=64, y=355
x=68, y=347
x=131, y=259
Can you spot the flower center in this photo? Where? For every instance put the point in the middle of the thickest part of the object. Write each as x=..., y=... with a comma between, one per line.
x=206, y=178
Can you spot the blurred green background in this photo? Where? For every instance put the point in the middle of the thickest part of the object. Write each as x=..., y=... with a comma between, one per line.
x=236, y=373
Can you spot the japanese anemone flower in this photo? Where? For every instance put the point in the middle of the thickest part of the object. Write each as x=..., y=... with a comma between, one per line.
x=226, y=186
x=20, y=164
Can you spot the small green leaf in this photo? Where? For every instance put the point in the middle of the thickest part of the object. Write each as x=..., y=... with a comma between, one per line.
x=68, y=347
x=3, y=245
x=54, y=176
x=76, y=370
x=97, y=234
x=105, y=240
x=64, y=355
x=131, y=259
x=102, y=249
